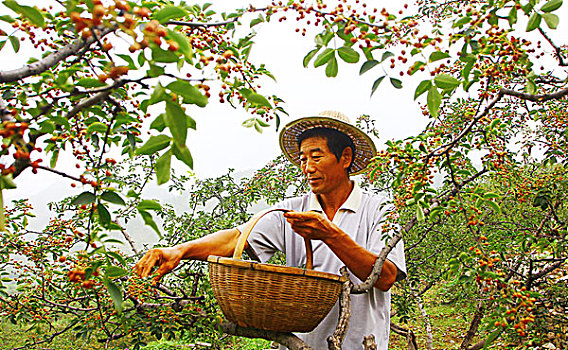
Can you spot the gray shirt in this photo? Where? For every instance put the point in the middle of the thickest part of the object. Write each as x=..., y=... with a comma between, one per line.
x=361, y=217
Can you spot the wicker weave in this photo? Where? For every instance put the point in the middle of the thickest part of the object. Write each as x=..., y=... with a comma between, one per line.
x=272, y=297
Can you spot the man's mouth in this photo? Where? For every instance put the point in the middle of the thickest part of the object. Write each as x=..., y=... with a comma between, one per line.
x=313, y=179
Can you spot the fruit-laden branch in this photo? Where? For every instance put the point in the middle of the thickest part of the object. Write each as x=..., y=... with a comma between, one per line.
x=378, y=266
x=88, y=102
x=51, y=60
x=58, y=172
x=557, y=49
x=503, y=92
x=289, y=340
x=194, y=25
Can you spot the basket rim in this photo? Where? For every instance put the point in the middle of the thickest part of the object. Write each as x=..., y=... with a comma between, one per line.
x=287, y=270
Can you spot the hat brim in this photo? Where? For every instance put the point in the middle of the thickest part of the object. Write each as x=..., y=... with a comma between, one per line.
x=365, y=148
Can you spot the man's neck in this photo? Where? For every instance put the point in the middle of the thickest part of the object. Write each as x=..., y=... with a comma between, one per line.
x=331, y=202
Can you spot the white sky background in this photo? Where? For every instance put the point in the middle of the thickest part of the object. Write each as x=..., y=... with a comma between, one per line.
x=220, y=141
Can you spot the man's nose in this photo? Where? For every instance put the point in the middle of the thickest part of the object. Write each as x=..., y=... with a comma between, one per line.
x=309, y=166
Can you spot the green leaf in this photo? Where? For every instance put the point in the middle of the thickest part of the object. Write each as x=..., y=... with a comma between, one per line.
x=493, y=205
x=104, y=215
x=396, y=83
x=84, y=198
x=551, y=20
x=148, y=220
x=386, y=55
x=90, y=83
x=309, y=57
x=181, y=40
x=182, y=153
x=190, y=93
x=128, y=60
x=551, y=5
x=434, y=100
x=154, y=144
x=435, y=213
x=530, y=87
x=490, y=195
x=115, y=272
x=169, y=13
x=53, y=160
x=31, y=13
x=424, y=86
x=116, y=256
x=115, y=294
x=256, y=21
x=258, y=100
x=368, y=65
x=512, y=17
x=15, y=43
x=148, y=204
x=158, y=95
x=419, y=214
x=332, y=68
x=438, y=55
x=176, y=121
x=534, y=22
x=324, y=57
x=96, y=127
x=7, y=182
x=7, y=18
x=164, y=56
x=112, y=197
x=158, y=123
x=496, y=333
x=163, y=165
x=376, y=84
x=446, y=82
x=348, y=54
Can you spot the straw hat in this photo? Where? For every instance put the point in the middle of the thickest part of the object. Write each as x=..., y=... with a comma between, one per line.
x=364, y=147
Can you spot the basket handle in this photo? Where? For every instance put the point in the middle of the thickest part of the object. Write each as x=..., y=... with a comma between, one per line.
x=248, y=228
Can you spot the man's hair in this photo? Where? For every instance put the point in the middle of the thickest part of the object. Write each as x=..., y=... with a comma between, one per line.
x=336, y=141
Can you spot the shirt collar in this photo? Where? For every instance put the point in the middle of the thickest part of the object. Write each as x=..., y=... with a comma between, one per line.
x=352, y=203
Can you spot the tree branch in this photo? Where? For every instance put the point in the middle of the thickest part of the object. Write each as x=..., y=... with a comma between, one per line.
x=289, y=340
x=378, y=267
x=335, y=341
x=51, y=60
x=474, y=325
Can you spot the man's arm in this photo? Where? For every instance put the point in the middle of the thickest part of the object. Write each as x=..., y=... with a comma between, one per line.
x=220, y=243
x=359, y=260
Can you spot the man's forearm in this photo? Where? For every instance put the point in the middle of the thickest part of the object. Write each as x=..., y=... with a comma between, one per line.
x=220, y=243
x=361, y=261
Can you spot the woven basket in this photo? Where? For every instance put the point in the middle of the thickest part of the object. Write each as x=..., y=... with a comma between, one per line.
x=272, y=297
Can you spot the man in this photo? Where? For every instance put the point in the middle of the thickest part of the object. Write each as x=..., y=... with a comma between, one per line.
x=343, y=222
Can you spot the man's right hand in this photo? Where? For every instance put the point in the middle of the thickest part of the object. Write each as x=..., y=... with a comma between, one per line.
x=166, y=259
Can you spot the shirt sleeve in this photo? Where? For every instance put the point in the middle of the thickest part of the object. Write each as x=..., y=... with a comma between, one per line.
x=379, y=239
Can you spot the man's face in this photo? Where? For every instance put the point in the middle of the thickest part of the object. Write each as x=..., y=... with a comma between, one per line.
x=323, y=171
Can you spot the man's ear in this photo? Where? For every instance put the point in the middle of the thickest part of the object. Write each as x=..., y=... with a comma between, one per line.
x=347, y=157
